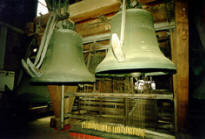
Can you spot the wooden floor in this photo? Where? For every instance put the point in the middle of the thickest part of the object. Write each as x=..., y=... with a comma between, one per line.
x=38, y=128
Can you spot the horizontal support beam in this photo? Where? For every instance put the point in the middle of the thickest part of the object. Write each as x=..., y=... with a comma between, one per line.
x=87, y=117
x=12, y=27
x=98, y=48
x=164, y=26
x=100, y=103
x=93, y=38
x=124, y=95
x=106, y=36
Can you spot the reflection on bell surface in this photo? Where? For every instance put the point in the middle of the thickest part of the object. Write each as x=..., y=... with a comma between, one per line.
x=32, y=93
x=140, y=47
x=64, y=61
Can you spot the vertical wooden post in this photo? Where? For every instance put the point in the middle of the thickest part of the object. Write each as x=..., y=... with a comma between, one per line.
x=180, y=56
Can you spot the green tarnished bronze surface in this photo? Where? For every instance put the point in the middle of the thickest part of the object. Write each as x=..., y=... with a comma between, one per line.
x=32, y=93
x=141, y=49
x=64, y=61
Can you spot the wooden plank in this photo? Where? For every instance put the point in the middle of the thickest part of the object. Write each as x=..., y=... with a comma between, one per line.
x=70, y=101
x=173, y=55
x=158, y=11
x=92, y=8
x=125, y=95
x=55, y=94
x=87, y=9
x=181, y=54
x=87, y=117
x=117, y=100
x=94, y=26
x=103, y=109
x=100, y=103
x=146, y=1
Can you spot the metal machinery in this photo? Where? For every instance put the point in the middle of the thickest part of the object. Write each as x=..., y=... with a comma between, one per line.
x=135, y=55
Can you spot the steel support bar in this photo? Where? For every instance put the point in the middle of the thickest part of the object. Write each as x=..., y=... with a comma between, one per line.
x=62, y=106
x=95, y=38
x=124, y=95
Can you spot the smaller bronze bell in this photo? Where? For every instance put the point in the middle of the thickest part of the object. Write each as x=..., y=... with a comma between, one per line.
x=140, y=47
x=64, y=61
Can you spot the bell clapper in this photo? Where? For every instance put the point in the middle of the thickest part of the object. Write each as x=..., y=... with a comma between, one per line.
x=144, y=83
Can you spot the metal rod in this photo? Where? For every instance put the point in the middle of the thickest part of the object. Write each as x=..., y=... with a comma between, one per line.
x=62, y=106
x=123, y=23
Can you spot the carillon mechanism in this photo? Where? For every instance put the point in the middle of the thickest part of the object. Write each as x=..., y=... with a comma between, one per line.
x=64, y=61
x=140, y=47
x=144, y=84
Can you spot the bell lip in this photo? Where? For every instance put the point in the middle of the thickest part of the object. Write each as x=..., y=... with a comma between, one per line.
x=59, y=78
x=127, y=72
x=147, y=74
x=51, y=82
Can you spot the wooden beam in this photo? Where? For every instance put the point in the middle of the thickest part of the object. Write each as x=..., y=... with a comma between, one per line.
x=158, y=11
x=180, y=55
x=87, y=117
x=146, y=1
x=124, y=95
x=100, y=103
x=87, y=9
x=103, y=109
x=173, y=55
x=92, y=8
x=55, y=95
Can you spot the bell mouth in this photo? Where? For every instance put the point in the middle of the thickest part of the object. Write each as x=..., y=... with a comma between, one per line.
x=64, y=79
x=129, y=72
x=46, y=82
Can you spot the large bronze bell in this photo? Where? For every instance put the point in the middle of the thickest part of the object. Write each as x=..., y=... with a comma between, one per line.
x=32, y=93
x=140, y=47
x=64, y=61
